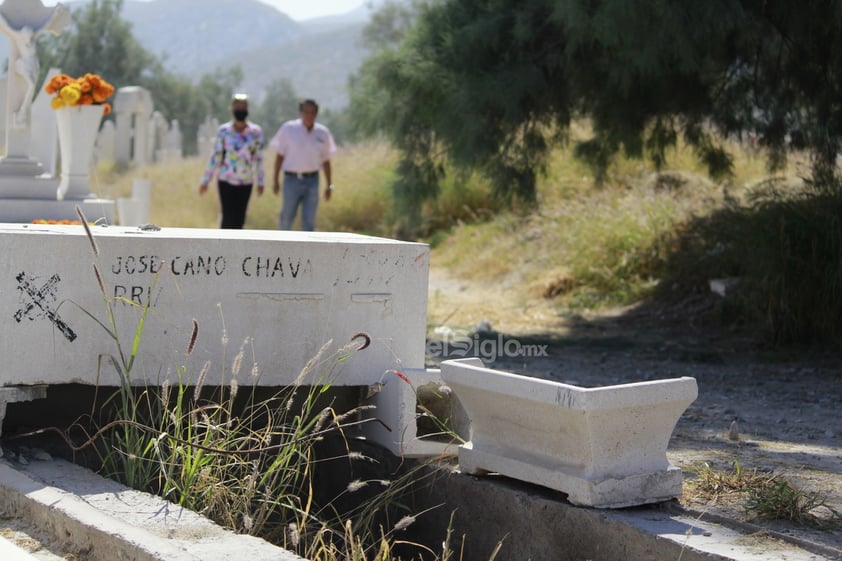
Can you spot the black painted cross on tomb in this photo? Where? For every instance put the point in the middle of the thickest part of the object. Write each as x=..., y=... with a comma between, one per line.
x=39, y=303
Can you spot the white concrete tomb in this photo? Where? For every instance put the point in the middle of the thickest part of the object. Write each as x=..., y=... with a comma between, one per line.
x=605, y=447
x=277, y=295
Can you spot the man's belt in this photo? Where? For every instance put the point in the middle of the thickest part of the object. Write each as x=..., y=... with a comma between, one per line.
x=300, y=174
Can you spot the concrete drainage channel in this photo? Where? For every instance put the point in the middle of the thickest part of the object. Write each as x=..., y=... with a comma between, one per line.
x=52, y=509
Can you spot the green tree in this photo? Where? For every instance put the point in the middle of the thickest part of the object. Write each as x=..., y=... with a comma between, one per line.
x=497, y=82
x=392, y=95
x=280, y=104
x=389, y=24
x=100, y=42
x=217, y=88
x=178, y=99
x=338, y=121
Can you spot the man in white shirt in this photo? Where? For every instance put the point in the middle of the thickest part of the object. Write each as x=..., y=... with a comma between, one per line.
x=303, y=148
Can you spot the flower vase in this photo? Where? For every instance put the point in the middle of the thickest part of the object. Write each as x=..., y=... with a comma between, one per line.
x=77, y=131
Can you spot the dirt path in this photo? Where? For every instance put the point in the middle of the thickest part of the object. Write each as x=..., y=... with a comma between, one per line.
x=779, y=413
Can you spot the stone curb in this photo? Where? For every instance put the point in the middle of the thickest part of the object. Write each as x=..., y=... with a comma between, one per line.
x=104, y=520
x=101, y=520
x=11, y=552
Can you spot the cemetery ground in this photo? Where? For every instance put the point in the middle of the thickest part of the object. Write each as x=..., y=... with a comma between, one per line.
x=762, y=418
x=784, y=402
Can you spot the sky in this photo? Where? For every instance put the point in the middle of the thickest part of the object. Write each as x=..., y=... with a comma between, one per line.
x=306, y=9
x=298, y=9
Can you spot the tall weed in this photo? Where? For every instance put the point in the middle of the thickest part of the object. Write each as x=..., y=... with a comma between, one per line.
x=247, y=462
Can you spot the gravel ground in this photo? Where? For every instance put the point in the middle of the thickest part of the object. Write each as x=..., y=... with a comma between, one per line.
x=773, y=413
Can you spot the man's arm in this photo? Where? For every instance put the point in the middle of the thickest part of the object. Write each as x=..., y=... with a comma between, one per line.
x=328, y=178
x=276, y=186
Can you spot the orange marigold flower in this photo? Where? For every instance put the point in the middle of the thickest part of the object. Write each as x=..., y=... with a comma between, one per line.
x=57, y=82
x=103, y=92
x=85, y=85
x=89, y=89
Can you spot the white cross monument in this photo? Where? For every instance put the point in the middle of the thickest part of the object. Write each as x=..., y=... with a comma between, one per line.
x=27, y=184
x=23, y=21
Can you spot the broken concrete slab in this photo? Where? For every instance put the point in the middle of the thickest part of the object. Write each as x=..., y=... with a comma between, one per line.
x=430, y=420
x=16, y=394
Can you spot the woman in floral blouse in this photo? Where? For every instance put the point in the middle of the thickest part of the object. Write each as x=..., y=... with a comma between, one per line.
x=237, y=159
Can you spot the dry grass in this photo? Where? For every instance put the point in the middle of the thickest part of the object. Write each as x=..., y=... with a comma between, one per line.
x=712, y=484
x=361, y=202
x=585, y=247
x=175, y=200
x=588, y=246
x=762, y=495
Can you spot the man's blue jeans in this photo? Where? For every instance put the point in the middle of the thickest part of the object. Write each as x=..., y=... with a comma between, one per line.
x=302, y=191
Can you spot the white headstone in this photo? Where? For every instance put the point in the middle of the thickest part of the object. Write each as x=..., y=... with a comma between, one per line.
x=105, y=142
x=132, y=108
x=174, y=141
x=605, y=447
x=282, y=298
x=206, y=137
x=128, y=212
x=28, y=186
x=156, y=137
x=142, y=195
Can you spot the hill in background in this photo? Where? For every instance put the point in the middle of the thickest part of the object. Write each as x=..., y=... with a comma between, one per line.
x=189, y=35
x=317, y=56
x=195, y=37
x=318, y=65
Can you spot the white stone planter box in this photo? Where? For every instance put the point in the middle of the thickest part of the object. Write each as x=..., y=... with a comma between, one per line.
x=604, y=447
